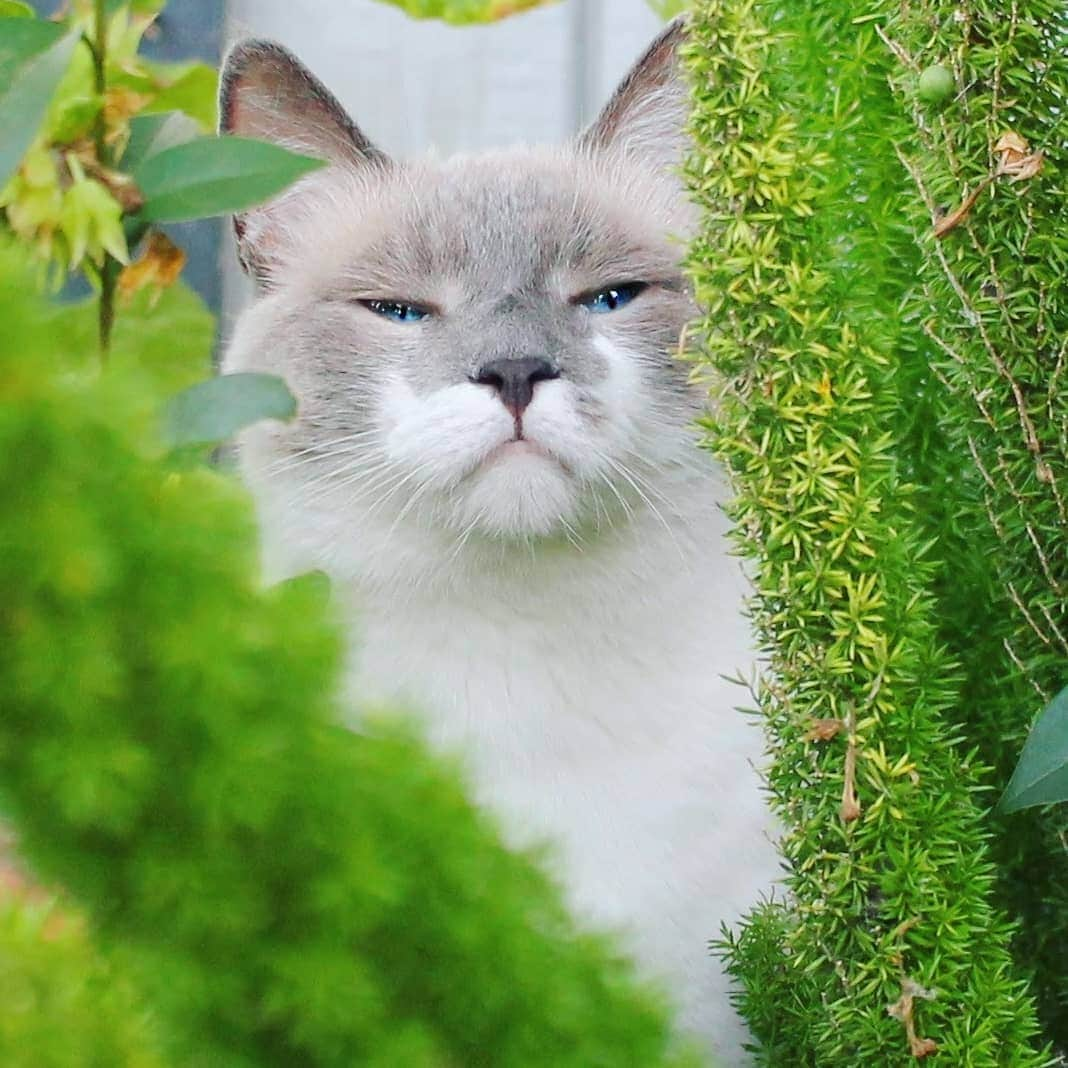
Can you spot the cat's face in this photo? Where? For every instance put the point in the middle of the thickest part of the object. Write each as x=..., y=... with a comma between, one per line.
x=485, y=344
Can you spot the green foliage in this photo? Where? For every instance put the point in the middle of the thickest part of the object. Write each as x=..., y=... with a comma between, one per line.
x=63, y=1005
x=466, y=11
x=215, y=176
x=144, y=342
x=992, y=306
x=936, y=85
x=282, y=891
x=890, y=946
x=97, y=146
x=668, y=9
x=191, y=88
x=213, y=411
x=33, y=59
x=153, y=133
x=1041, y=777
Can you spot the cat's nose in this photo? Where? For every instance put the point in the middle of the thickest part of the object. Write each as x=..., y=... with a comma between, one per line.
x=514, y=379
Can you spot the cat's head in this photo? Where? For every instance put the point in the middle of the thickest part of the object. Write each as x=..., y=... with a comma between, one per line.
x=485, y=344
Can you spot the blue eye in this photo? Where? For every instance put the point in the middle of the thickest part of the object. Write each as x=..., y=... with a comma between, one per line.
x=608, y=300
x=397, y=310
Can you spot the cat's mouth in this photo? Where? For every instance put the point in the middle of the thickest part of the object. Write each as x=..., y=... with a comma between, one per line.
x=520, y=449
x=518, y=446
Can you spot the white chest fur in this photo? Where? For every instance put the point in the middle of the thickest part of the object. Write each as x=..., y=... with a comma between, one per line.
x=585, y=695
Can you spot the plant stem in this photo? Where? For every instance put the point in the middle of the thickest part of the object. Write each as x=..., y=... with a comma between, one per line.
x=100, y=57
x=109, y=276
x=108, y=272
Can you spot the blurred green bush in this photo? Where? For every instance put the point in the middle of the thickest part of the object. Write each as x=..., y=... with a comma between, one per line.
x=278, y=889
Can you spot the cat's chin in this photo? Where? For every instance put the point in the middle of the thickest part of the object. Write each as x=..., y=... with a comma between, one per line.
x=519, y=490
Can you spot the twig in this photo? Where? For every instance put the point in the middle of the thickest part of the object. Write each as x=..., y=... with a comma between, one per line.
x=850, y=809
x=108, y=273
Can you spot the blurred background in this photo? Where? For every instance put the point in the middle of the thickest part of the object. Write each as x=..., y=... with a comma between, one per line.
x=413, y=85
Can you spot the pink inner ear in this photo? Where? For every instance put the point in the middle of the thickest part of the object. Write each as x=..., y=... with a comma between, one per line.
x=646, y=114
x=269, y=94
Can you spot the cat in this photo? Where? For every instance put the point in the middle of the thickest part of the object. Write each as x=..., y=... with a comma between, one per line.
x=495, y=461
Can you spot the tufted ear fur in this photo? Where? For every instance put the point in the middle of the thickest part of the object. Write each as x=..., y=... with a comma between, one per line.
x=268, y=94
x=646, y=116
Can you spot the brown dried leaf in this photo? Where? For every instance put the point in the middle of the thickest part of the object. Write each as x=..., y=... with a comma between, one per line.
x=955, y=218
x=850, y=809
x=1011, y=146
x=1025, y=168
x=1017, y=159
x=903, y=1010
x=122, y=104
x=823, y=730
x=159, y=265
x=921, y=1047
x=121, y=186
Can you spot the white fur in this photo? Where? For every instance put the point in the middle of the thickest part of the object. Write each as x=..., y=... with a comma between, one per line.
x=581, y=678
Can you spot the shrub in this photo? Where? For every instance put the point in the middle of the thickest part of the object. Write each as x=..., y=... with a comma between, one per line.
x=891, y=946
x=280, y=890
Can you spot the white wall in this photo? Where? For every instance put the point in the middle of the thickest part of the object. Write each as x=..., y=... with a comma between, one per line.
x=413, y=85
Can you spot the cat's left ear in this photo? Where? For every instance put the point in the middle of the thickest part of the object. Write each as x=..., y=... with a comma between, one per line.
x=646, y=118
x=268, y=94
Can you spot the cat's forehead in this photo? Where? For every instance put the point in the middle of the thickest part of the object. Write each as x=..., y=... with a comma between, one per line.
x=507, y=221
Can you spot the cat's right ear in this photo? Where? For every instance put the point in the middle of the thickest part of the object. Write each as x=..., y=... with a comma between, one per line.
x=268, y=94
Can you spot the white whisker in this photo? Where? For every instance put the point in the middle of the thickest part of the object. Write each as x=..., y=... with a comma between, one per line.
x=621, y=469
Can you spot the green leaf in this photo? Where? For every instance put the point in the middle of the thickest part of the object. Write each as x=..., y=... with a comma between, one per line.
x=151, y=134
x=668, y=9
x=462, y=12
x=15, y=9
x=20, y=42
x=32, y=64
x=315, y=583
x=138, y=7
x=1041, y=777
x=192, y=88
x=213, y=411
x=216, y=176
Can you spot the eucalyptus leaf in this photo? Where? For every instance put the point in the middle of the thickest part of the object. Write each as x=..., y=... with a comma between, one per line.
x=21, y=40
x=213, y=411
x=151, y=134
x=216, y=176
x=1041, y=776
x=34, y=56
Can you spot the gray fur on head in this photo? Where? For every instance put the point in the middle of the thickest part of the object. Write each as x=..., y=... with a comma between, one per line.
x=501, y=250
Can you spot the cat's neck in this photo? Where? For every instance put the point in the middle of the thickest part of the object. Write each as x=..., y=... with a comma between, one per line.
x=643, y=617
x=653, y=547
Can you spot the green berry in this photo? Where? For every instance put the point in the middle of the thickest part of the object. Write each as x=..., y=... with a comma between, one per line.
x=936, y=85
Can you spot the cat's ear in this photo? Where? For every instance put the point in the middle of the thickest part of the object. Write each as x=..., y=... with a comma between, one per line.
x=268, y=94
x=645, y=119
